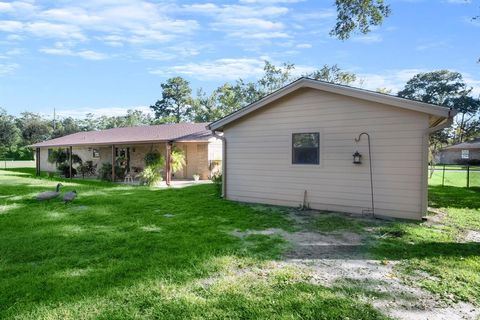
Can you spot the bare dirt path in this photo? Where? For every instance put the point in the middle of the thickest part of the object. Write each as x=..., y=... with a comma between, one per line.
x=340, y=260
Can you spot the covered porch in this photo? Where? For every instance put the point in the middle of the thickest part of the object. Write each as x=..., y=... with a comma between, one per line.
x=127, y=160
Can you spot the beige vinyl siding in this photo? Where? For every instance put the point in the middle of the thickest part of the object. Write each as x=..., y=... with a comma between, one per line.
x=259, y=155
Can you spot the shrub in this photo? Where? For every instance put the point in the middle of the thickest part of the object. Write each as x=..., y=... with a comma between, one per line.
x=471, y=162
x=217, y=180
x=105, y=172
x=177, y=160
x=64, y=169
x=154, y=163
x=151, y=175
x=87, y=168
x=61, y=160
x=58, y=156
x=155, y=159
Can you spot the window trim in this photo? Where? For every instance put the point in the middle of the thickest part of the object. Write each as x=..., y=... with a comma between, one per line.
x=292, y=162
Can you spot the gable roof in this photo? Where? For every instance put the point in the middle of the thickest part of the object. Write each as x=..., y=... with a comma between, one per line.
x=474, y=144
x=181, y=132
x=394, y=101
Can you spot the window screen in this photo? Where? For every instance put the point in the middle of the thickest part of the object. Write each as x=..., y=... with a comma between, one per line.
x=306, y=148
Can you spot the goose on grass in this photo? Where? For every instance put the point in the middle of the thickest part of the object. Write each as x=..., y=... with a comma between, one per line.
x=49, y=195
x=69, y=196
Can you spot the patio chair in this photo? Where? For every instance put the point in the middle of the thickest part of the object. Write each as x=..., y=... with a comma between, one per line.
x=128, y=177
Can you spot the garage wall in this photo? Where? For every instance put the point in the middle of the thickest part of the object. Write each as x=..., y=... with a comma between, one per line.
x=259, y=152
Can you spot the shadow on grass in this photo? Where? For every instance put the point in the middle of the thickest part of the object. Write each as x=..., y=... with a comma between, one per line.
x=454, y=197
x=52, y=253
x=398, y=250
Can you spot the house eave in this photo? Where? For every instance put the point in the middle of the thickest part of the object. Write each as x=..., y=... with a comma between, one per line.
x=336, y=89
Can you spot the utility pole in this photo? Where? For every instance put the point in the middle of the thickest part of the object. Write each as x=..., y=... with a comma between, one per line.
x=54, y=119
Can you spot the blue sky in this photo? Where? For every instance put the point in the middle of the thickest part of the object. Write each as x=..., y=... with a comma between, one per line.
x=105, y=56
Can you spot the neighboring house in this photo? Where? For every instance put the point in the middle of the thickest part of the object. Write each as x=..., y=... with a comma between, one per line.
x=202, y=150
x=296, y=146
x=466, y=152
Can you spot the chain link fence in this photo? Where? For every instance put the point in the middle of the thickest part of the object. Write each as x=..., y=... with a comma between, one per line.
x=7, y=163
x=455, y=175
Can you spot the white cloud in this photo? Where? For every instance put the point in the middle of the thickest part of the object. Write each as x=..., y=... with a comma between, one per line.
x=303, y=46
x=169, y=53
x=324, y=14
x=221, y=69
x=54, y=30
x=459, y=1
x=431, y=45
x=396, y=79
x=260, y=35
x=160, y=55
x=391, y=79
x=14, y=37
x=130, y=21
x=368, y=38
x=98, y=112
x=269, y=1
x=226, y=69
x=64, y=51
x=474, y=83
x=7, y=68
x=10, y=26
x=253, y=20
x=22, y=8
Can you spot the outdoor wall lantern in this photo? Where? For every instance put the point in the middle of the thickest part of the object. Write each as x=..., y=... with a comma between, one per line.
x=357, y=158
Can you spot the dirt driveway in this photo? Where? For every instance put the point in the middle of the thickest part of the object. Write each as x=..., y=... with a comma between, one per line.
x=340, y=260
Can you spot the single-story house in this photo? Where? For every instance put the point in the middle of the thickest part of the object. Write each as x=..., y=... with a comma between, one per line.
x=465, y=152
x=307, y=144
x=202, y=150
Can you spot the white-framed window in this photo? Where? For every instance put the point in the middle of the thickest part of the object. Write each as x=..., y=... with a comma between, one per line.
x=465, y=154
x=306, y=148
x=95, y=153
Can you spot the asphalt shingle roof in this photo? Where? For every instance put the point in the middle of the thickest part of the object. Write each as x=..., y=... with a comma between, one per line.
x=475, y=144
x=158, y=133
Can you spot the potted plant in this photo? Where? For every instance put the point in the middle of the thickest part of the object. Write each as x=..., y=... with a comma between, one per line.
x=196, y=176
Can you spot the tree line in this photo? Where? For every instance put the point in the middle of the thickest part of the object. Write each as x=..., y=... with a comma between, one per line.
x=178, y=104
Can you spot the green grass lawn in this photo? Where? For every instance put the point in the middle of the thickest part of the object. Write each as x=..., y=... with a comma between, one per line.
x=121, y=252
x=456, y=178
x=439, y=249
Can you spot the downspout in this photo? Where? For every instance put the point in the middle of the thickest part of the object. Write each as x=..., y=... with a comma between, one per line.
x=224, y=162
x=438, y=126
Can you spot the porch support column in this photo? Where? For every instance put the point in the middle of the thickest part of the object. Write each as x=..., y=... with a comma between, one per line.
x=113, y=163
x=168, y=164
x=37, y=161
x=70, y=160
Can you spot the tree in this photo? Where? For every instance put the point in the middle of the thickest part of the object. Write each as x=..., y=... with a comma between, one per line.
x=176, y=101
x=34, y=128
x=205, y=107
x=333, y=74
x=9, y=133
x=135, y=118
x=358, y=15
x=446, y=88
x=229, y=98
x=66, y=126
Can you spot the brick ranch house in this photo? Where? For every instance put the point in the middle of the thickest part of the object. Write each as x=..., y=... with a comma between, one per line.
x=202, y=150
